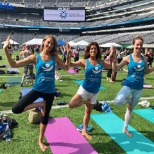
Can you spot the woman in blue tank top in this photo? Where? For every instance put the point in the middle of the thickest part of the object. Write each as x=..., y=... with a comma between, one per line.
x=87, y=92
x=45, y=80
x=133, y=84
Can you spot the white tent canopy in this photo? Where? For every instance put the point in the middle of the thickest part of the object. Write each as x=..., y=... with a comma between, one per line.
x=82, y=43
x=144, y=46
x=71, y=43
x=11, y=42
x=34, y=41
x=110, y=45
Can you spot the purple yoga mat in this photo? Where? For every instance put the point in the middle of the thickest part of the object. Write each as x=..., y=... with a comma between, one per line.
x=63, y=138
x=72, y=71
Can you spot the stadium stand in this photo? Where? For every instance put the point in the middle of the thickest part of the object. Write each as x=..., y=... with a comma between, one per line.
x=106, y=21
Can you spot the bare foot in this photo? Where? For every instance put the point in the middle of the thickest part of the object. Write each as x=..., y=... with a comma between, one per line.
x=43, y=108
x=127, y=133
x=86, y=135
x=42, y=146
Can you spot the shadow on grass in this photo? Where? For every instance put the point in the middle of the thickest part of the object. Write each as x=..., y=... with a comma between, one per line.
x=148, y=134
x=108, y=148
x=8, y=104
x=118, y=81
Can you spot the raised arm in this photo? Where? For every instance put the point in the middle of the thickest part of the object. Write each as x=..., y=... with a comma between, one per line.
x=79, y=63
x=124, y=62
x=21, y=63
x=106, y=65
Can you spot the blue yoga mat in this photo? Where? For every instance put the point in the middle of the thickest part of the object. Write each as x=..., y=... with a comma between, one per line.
x=24, y=91
x=113, y=126
x=147, y=114
x=79, y=82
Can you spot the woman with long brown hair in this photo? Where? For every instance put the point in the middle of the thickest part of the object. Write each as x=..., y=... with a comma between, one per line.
x=44, y=85
x=87, y=92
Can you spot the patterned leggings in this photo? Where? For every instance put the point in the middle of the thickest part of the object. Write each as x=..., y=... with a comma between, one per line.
x=127, y=95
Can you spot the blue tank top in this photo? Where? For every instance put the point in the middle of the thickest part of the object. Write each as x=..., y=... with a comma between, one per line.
x=45, y=75
x=135, y=78
x=93, y=77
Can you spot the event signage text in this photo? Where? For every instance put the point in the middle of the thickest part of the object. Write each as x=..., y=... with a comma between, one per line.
x=64, y=14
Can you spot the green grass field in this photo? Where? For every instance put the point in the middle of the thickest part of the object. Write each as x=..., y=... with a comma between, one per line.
x=25, y=135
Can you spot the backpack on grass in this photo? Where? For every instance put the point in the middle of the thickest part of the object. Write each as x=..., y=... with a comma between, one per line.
x=6, y=123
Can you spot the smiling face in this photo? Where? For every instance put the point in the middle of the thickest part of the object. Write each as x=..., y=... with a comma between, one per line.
x=138, y=45
x=93, y=51
x=48, y=44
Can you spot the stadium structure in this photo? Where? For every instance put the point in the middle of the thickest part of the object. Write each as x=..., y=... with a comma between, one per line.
x=103, y=21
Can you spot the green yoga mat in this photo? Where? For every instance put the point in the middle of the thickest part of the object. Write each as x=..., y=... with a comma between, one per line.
x=113, y=125
x=79, y=82
x=147, y=114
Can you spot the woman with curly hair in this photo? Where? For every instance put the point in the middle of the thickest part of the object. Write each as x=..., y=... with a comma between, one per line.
x=87, y=92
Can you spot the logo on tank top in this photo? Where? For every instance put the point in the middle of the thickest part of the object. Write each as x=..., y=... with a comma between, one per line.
x=96, y=70
x=138, y=72
x=47, y=67
x=138, y=68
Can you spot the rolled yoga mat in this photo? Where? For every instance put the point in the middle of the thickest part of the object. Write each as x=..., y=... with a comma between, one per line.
x=113, y=125
x=64, y=138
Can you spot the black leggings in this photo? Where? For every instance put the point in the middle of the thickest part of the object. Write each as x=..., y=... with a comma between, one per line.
x=29, y=98
x=76, y=59
x=109, y=73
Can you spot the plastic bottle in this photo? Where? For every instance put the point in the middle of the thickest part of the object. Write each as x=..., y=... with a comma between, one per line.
x=20, y=95
x=8, y=134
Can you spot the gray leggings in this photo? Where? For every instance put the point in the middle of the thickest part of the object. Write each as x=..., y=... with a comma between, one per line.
x=128, y=95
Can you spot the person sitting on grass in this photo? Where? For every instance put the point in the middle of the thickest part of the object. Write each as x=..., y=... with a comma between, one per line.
x=87, y=92
x=133, y=84
x=44, y=85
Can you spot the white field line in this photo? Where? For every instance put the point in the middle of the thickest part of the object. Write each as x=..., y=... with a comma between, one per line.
x=62, y=106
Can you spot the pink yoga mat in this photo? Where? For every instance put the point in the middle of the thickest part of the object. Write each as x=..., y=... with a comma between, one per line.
x=147, y=86
x=72, y=71
x=63, y=138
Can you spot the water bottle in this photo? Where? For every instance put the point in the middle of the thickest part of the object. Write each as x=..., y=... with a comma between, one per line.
x=8, y=134
x=20, y=95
